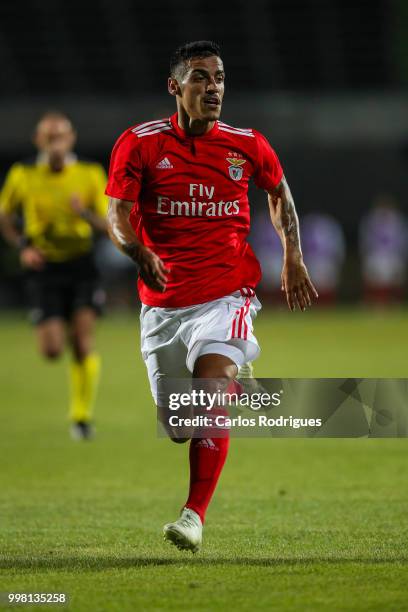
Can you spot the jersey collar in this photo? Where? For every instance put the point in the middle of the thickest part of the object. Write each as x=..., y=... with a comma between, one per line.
x=182, y=133
x=70, y=158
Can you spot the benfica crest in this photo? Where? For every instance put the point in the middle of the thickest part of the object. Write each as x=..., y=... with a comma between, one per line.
x=235, y=168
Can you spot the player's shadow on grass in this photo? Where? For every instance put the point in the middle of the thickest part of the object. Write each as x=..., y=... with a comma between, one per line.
x=109, y=562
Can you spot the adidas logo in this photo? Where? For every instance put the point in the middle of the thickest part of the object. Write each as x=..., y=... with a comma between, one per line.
x=206, y=443
x=165, y=163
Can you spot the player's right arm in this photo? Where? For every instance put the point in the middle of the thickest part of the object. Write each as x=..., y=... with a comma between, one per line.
x=124, y=185
x=11, y=198
x=151, y=267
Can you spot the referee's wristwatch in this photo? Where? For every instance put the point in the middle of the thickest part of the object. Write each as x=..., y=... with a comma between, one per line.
x=85, y=214
x=23, y=242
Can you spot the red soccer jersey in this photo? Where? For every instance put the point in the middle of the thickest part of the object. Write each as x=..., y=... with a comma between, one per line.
x=191, y=204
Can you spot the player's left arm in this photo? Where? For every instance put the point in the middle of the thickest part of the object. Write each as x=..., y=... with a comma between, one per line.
x=296, y=282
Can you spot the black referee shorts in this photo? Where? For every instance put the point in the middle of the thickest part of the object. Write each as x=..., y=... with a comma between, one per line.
x=60, y=289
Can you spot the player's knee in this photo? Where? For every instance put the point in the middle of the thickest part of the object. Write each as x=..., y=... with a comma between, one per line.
x=219, y=370
x=51, y=353
x=211, y=381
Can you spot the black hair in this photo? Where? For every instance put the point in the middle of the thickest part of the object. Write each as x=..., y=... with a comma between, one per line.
x=198, y=48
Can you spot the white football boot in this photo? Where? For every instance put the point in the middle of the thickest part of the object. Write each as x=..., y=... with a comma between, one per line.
x=186, y=533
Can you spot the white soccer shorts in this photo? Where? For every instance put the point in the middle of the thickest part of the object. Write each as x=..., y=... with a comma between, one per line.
x=173, y=338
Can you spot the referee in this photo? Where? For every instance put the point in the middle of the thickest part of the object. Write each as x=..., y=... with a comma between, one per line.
x=60, y=203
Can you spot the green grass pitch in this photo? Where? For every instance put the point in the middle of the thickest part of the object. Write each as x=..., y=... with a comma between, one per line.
x=294, y=525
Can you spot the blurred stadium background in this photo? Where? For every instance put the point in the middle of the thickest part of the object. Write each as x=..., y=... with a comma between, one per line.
x=296, y=524
x=326, y=81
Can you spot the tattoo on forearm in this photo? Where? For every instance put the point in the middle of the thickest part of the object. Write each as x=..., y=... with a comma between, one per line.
x=289, y=222
x=284, y=215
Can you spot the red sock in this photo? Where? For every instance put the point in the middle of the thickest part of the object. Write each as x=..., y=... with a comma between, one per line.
x=207, y=458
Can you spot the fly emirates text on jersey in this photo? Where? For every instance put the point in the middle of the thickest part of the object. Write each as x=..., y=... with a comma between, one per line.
x=195, y=207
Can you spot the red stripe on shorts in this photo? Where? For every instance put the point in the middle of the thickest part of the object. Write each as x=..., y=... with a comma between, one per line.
x=234, y=324
x=241, y=316
x=247, y=305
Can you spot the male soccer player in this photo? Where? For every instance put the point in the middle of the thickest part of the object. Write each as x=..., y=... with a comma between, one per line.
x=61, y=202
x=179, y=208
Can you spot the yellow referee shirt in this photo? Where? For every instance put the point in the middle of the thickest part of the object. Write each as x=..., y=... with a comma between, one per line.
x=44, y=198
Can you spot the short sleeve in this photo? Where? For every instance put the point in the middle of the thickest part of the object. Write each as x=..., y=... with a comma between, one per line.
x=11, y=193
x=268, y=171
x=99, y=199
x=125, y=169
